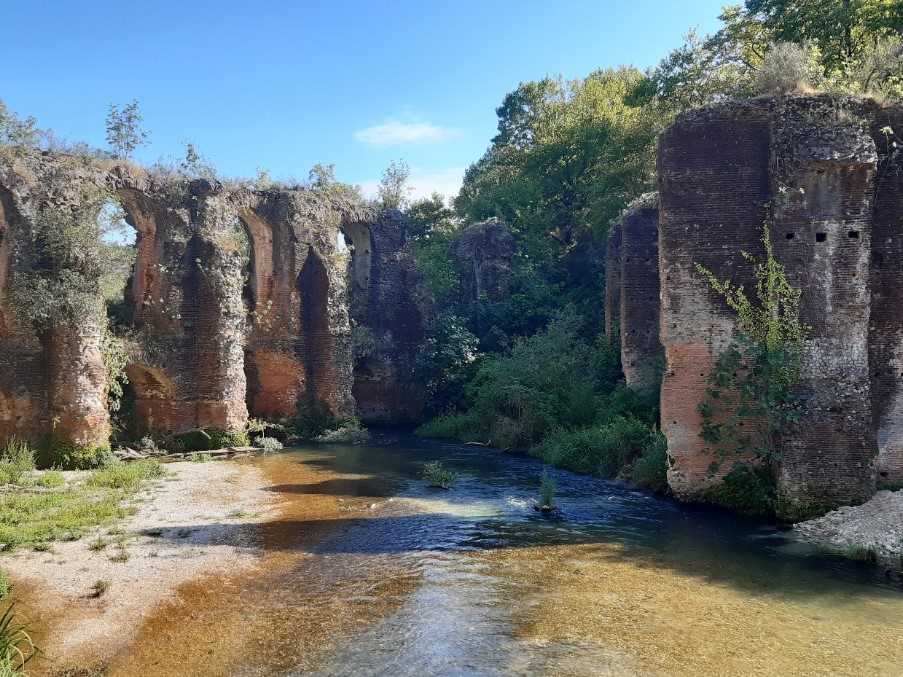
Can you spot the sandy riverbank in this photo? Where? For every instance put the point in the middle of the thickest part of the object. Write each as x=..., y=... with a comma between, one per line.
x=191, y=524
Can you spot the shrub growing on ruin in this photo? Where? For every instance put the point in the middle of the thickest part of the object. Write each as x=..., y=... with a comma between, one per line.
x=750, y=399
x=63, y=285
x=124, y=130
x=788, y=68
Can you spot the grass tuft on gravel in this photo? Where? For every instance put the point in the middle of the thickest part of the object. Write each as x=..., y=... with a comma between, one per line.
x=67, y=511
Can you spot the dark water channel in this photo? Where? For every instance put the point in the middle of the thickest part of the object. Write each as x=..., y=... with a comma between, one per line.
x=474, y=581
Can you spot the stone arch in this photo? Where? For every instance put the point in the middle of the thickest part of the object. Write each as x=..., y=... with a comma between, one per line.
x=141, y=283
x=119, y=237
x=317, y=342
x=260, y=268
x=358, y=239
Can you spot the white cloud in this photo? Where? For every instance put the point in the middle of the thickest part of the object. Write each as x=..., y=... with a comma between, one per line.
x=446, y=182
x=397, y=133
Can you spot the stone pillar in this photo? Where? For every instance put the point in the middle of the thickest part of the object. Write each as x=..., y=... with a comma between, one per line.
x=886, y=324
x=613, y=282
x=219, y=338
x=806, y=166
x=641, y=350
x=714, y=185
x=823, y=184
x=76, y=384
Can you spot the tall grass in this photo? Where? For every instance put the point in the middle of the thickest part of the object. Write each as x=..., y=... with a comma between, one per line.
x=16, y=460
x=16, y=645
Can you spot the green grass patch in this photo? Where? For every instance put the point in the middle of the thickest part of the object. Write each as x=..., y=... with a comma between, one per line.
x=127, y=476
x=70, y=510
x=31, y=519
x=6, y=584
x=50, y=479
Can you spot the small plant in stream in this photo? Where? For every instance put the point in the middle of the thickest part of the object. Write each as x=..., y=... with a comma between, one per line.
x=438, y=476
x=547, y=488
x=268, y=444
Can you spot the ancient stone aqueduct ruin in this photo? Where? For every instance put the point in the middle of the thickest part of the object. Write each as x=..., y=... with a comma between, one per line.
x=823, y=172
x=826, y=176
x=211, y=343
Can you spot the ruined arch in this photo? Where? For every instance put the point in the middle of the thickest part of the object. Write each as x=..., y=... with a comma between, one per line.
x=142, y=280
x=119, y=242
x=260, y=267
x=317, y=343
x=358, y=240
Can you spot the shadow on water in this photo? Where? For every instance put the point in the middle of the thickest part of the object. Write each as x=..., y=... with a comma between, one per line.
x=490, y=508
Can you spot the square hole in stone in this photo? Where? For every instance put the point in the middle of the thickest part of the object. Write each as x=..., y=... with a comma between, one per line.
x=821, y=237
x=790, y=236
x=853, y=235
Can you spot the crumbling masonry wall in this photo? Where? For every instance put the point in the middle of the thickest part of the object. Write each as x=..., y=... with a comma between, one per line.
x=388, y=308
x=52, y=375
x=612, y=299
x=641, y=350
x=239, y=300
x=810, y=167
x=886, y=325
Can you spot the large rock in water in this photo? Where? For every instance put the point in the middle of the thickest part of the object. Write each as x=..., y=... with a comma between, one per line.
x=809, y=167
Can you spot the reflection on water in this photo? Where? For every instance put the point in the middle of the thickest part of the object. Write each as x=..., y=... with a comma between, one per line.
x=397, y=578
x=625, y=583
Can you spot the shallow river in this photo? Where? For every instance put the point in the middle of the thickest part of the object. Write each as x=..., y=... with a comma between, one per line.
x=369, y=572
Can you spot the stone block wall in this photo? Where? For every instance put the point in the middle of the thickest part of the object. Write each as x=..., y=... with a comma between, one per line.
x=612, y=299
x=641, y=350
x=714, y=187
x=239, y=300
x=483, y=252
x=813, y=169
x=886, y=322
x=388, y=304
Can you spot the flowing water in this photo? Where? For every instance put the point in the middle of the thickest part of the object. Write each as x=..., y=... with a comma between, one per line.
x=367, y=571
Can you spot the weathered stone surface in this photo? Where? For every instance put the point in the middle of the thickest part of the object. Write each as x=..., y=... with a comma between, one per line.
x=52, y=376
x=387, y=302
x=240, y=299
x=809, y=167
x=824, y=164
x=484, y=251
x=613, y=283
x=713, y=189
x=886, y=322
x=641, y=350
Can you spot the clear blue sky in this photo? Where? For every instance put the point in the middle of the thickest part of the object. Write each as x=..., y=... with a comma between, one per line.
x=284, y=85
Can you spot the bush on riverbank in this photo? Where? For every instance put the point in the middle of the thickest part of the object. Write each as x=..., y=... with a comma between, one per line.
x=557, y=397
